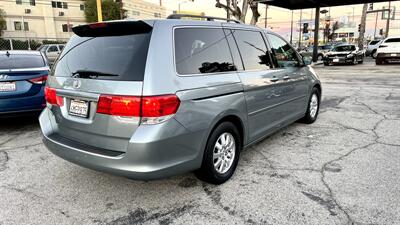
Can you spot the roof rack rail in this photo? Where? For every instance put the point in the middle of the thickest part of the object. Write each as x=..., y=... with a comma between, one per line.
x=208, y=18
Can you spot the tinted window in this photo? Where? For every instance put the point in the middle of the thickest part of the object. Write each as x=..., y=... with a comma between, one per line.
x=253, y=49
x=119, y=57
x=52, y=48
x=202, y=50
x=234, y=49
x=393, y=40
x=374, y=42
x=284, y=54
x=21, y=61
x=344, y=48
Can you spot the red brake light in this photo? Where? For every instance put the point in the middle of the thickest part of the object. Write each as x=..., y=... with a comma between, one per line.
x=157, y=106
x=150, y=106
x=51, y=97
x=119, y=105
x=97, y=25
x=39, y=80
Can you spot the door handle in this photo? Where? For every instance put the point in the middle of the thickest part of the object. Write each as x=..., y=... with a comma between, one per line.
x=286, y=77
x=274, y=79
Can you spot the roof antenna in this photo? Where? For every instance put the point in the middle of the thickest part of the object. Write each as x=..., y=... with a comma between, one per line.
x=7, y=54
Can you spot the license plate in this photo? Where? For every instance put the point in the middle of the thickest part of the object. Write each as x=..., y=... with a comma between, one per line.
x=393, y=54
x=79, y=108
x=335, y=60
x=7, y=86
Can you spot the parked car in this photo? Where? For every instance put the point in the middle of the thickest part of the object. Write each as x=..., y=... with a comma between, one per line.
x=344, y=54
x=22, y=78
x=308, y=52
x=388, y=51
x=372, y=47
x=149, y=99
x=51, y=51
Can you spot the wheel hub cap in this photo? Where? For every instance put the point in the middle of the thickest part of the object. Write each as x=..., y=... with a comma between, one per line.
x=224, y=153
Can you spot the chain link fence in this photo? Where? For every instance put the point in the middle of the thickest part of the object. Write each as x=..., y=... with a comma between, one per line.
x=22, y=43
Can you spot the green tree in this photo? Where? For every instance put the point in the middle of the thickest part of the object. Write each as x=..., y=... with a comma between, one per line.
x=111, y=10
x=2, y=21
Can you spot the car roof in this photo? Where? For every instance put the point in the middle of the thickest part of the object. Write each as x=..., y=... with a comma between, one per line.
x=21, y=52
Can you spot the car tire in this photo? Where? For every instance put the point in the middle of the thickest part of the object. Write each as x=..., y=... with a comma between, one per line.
x=212, y=169
x=320, y=57
x=378, y=61
x=355, y=60
x=373, y=54
x=313, y=106
x=326, y=64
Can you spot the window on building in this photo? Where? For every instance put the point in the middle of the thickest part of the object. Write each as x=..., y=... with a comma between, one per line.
x=32, y=2
x=53, y=4
x=65, y=5
x=18, y=2
x=202, y=51
x=26, y=26
x=82, y=7
x=67, y=27
x=135, y=13
x=17, y=25
x=157, y=15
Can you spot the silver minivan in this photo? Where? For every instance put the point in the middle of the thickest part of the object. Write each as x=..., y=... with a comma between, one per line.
x=148, y=99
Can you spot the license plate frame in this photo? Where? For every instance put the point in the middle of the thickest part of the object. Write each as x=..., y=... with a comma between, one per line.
x=336, y=60
x=79, y=108
x=393, y=54
x=8, y=87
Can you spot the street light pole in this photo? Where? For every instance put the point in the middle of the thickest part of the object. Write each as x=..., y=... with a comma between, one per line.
x=388, y=20
x=99, y=11
x=291, y=30
x=300, y=25
x=266, y=15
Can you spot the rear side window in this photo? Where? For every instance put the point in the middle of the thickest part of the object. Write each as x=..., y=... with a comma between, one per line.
x=393, y=40
x=253, y=49
x=21, y=61
x=284, y=54
x=121, y=58
x=202, y=51
x=374, y=42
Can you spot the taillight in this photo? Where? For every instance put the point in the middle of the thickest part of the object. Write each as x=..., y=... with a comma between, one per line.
x=39, y=80
x=51, y=97
x=151, y=109
x=119, y=105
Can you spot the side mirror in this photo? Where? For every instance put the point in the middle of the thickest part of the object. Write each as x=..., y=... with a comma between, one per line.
x=307, y=60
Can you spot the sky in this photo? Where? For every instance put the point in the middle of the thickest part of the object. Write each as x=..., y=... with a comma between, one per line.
x=279, y=19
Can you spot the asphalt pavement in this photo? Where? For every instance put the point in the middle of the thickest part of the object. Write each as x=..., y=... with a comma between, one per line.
x=343, y=169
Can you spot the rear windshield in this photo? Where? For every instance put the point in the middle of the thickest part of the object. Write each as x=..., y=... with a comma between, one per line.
x=393, y=40
x=374, y=42
x=120, y=58
x=345, y=48
x=21, y=61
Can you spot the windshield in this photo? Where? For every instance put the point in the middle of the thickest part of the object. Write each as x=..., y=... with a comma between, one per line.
x=20, y=61
x=122, y=56
x=344, y=48
x=374, y=42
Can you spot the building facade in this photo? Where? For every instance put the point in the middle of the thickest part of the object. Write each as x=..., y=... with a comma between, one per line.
x=47, y=19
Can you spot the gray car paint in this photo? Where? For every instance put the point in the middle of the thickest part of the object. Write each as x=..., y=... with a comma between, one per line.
x=177, y=145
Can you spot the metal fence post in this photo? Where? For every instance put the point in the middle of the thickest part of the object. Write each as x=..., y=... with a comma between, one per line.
x=11, y=44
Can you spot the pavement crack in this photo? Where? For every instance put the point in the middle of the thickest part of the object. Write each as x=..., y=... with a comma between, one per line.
x=3, y=160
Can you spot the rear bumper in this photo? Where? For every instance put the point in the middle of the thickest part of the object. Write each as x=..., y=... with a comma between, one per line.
x=154, y=152
x=20, y=105
x=388, y=57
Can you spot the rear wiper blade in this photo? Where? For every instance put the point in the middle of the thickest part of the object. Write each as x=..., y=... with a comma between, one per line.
x=90, y=74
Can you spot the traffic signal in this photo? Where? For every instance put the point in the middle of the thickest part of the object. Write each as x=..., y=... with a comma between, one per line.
x=381, y=32
x=305, y=28
x=371, y=6
x=359, y=27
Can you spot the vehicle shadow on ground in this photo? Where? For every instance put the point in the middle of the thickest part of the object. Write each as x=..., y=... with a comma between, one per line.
x=19, y=122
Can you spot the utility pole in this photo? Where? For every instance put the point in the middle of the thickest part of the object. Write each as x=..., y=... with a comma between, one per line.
x=99, y=11
x=160, y=3
x=300, y=25
x=291, y=30
x=362, y=27
x=376, y=24
x=316, y=34
x=388, y=20
x=228, y=4
x=266, y=15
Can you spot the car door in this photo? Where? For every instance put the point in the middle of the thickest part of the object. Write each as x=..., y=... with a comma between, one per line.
x=52, y=53
x=258, y=79
x=292, y=90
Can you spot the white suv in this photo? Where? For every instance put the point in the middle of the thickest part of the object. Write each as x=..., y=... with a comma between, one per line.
x=388, y=51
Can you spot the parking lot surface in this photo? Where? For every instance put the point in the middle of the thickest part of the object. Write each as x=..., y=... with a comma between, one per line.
x=343, y=169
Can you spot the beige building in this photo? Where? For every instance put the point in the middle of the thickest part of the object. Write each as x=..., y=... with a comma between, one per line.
x=46, y=19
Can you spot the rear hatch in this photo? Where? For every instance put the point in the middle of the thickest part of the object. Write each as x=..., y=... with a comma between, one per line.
x=21, y=75
x=102, y=61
